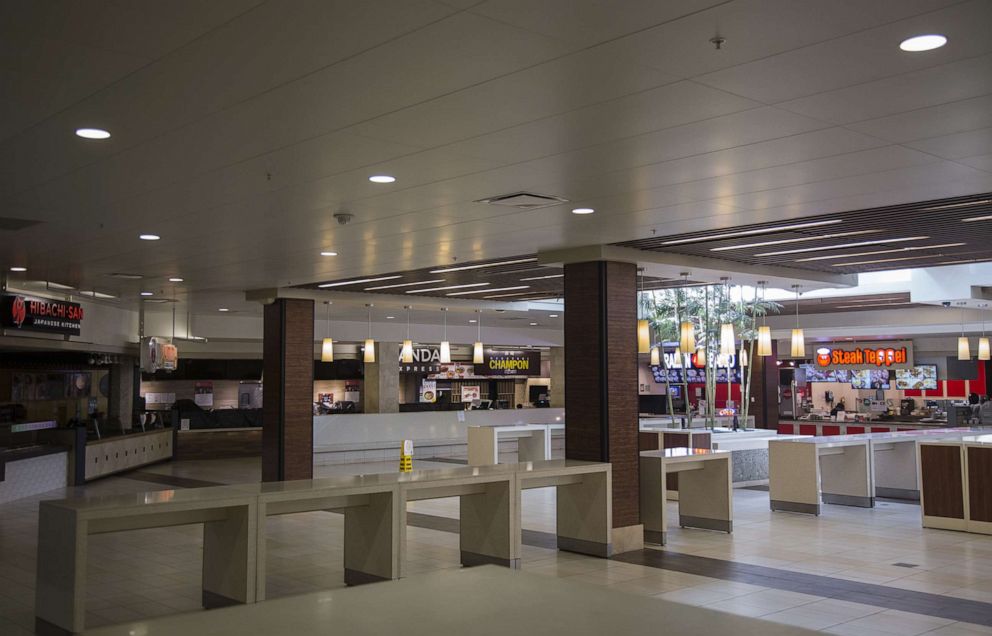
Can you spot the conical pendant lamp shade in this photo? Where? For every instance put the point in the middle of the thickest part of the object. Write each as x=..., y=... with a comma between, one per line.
x=655, y=357
x=687, y=336
x=369, y=350
x=406, y=352
x=643, y=337
x=798, y=344
x=726, y=339
x=764, y=341
x=964, y=350
x=983, y=349
x=327, y=350
x=743, y=357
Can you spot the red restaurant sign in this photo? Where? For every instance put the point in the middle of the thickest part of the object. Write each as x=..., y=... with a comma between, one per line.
x=895, y=355
x=40, y=314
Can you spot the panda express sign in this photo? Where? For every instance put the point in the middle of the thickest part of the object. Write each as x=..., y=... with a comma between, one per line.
x=890, y=354
x=40, y=314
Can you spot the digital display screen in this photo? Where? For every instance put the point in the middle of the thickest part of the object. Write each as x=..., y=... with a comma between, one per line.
x=923, y=376
x=870, y=379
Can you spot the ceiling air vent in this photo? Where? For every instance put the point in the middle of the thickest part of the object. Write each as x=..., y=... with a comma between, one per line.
x=524, y=200
x=13, y=225
x=126, y=276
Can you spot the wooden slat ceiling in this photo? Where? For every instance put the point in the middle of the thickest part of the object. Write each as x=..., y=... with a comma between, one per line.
x=923, y=234
x=874, y=302
x=503, y=280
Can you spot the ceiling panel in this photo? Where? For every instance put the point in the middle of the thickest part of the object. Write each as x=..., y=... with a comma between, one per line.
x=865, y=55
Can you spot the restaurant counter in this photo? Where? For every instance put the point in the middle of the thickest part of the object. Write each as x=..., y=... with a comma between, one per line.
x=30, y=470
x=827, y=427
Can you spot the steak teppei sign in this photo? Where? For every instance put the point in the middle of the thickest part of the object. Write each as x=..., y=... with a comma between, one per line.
x=40, y=314
x=896, y=354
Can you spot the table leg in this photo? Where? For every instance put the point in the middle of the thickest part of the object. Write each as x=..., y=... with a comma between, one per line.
x=705, y=496
x=845, y=477
x=60, y=589
x=371, y=540
x=534, y=447
x=229, y=557
x=483, y=446
x=490, y=526
x=654, y=487
x=585, y=516
x=793, y=477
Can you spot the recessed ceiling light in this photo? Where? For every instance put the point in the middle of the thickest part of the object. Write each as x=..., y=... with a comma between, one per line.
x=92, y=133
x=149, y=237
x=553, y=316
x=533, y=324
x=482, y=265
x=328, y=253
x=422, y=282
x=18, y=269
x=472, y=321
x=764, y=230
x=791, y=240
x=834, y=257
x=845, y=245
x=358, y=280
x=147, y=294
x=175, y=279
x=583, y=211
x=544, y=277
x=223, y=309
x=390, y=317
x=382, y=178
x=486, y=291
x=919, y=43
x=431, y=289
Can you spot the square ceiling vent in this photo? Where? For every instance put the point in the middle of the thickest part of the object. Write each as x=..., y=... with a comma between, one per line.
x=524, y=200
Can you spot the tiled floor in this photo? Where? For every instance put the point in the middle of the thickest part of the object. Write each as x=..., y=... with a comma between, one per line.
x=128, y=580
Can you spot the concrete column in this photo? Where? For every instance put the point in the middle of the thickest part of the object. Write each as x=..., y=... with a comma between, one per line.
x=557, y=392
x=601, y=384
x=287, y=396
x=381, y=393
x=120, y=403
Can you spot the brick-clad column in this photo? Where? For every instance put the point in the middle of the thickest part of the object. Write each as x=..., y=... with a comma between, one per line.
x=601, y=418
x=287, y=398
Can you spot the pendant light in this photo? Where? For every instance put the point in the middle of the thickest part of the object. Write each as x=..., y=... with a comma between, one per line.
x=727, y=337
x=687, y=335
x=701, y=357
x=327, y=345
x=742, y=359
x=643, y=329
x=964, y=350
x=764, y=331
x=984, y=353
x=406, y=352
x=477, y=354
x=369, y=342
x=445, y=357
x=655, y=357
x=798, y=339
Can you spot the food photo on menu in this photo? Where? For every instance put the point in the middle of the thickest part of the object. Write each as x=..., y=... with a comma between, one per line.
x=922, y=376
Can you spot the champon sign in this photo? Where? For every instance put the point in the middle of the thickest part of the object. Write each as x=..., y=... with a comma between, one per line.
x=26, y=313
x=897, y=354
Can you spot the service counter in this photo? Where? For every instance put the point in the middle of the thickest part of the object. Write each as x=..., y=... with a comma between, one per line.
x=31, y=470
x=826, y=427
x=360, y=437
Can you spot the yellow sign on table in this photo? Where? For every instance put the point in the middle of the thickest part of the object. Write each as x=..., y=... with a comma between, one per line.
x=406, y=456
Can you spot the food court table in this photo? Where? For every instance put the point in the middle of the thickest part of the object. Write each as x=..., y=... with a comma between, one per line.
x=803, y=471
x=483, y=601
x=533, y=442
x=705, y=490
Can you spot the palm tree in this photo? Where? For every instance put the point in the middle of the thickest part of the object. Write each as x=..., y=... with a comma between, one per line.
x=706, y=307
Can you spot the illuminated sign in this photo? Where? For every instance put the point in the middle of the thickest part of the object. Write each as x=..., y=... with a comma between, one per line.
x=503, y=363
x=889, y=355
x=41, y=314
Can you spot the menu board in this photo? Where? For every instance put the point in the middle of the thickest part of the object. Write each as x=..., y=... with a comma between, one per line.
x=27, y=387
x=922, y=376
x=814, y=374
x=692, y=376
x=870, y=379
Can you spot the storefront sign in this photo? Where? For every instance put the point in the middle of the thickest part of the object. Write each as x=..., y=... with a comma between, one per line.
x=686, y=368
x=524, y=363
x=41, y=314
x=425, y=360
x=869, y=355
